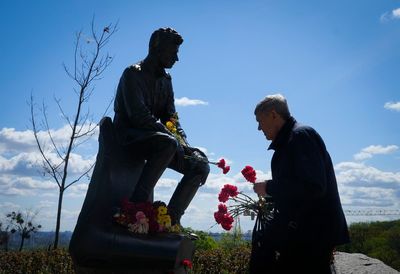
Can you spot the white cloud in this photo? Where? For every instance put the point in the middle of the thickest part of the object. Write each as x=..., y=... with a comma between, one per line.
x=77, y=190
x=390, y=15
x=396, y=13
x=24, y=186
x=363, y=188
x=392, y=106
x=166, y=183
x=184, y=102
x=361, y=174
x=369, y=151
x=20, y=156
x=12, y=140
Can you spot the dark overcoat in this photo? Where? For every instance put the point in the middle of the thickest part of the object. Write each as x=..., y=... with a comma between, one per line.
x=304, y=188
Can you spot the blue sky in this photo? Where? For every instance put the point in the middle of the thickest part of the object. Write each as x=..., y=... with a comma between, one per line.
x=336, y=62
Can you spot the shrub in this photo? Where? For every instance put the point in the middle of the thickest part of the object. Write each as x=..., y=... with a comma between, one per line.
x=37, y=261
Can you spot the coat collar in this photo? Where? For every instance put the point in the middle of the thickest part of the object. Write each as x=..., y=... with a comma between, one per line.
x=283, y=134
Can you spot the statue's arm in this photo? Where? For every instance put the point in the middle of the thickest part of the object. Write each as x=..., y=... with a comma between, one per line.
x=132, y=90
x=170, y=111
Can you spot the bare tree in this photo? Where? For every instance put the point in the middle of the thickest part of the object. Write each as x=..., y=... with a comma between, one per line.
x=23, y=224
x=89, y=65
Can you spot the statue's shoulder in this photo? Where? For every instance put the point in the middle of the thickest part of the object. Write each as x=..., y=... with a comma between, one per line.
x=132, y=71
x=134, y=68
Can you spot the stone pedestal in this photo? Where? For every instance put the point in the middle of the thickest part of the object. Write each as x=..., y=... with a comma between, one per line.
x=100, y=246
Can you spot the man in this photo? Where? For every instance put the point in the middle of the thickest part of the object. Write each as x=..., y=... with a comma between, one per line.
x=144, y=103
x=308, y=221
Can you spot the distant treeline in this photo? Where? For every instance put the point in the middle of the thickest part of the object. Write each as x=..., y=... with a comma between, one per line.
x=379, y=240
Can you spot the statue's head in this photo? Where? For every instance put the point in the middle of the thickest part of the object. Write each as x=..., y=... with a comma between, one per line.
x=164, y=45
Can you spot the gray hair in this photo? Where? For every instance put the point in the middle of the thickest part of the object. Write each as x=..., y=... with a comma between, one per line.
x=275, y=102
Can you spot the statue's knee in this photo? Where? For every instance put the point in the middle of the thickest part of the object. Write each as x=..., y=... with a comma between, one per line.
x=169, y=143
x=203, y=170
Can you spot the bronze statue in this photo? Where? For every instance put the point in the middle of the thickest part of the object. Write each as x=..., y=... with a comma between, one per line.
x=143, y=105
x=134, y=151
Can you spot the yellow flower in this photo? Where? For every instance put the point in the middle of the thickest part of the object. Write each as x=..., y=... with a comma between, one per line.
x=166, y=220
x=162, y=210
x=170, y=125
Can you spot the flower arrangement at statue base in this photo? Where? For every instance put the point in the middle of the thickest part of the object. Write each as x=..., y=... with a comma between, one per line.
x=145, y=218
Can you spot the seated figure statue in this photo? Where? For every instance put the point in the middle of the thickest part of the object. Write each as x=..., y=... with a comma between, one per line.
x=134, y=150
x=143, y=105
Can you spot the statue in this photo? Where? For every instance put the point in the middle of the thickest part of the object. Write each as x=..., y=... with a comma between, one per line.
x=134, y=150
x=143, y=105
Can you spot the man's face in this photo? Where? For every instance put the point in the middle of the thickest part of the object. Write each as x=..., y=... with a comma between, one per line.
x=169, y=55
x=267, y=123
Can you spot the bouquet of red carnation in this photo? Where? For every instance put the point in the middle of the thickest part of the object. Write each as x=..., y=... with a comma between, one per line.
x=243, y=204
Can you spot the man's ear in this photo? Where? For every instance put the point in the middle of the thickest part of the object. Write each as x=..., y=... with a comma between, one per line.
x=274, y=114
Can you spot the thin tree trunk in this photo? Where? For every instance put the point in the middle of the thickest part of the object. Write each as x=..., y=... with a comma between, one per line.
x=22, y=242
x=60, y=199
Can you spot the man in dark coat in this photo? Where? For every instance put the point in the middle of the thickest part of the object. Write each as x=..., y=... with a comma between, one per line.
x=144, y=103
x=308, y=221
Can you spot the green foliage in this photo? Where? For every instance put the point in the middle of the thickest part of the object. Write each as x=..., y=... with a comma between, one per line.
x=23, y=224
x=232, y=240
x=204, y=242
x=379, y=240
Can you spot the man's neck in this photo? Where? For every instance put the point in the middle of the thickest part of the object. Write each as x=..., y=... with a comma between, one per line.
x=152, y=64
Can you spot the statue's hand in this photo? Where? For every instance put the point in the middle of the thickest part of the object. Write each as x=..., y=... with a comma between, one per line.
x=197, y=153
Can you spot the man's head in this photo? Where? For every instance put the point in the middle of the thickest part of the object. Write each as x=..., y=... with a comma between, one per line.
x=271, y=114
x=164, y=45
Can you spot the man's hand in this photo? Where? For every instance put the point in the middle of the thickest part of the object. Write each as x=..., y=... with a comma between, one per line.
x=260, y=188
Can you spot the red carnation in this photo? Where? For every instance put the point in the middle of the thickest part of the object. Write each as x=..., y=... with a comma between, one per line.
x=223, y=217
x=226, y=169
x=219, y=217
x=231, y=190
x=187, y=263
x=249, y=174
x=226, y=226
x=222, y=208
x=223, y=197
x=221, y=163
x=227, y=222
x=226, y=192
